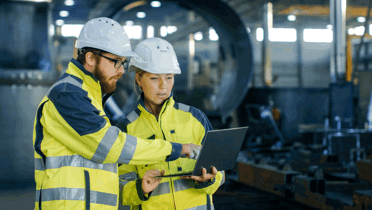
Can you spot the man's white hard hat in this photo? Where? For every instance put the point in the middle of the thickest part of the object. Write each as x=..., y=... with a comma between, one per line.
x=155, y=55
x=107, y=35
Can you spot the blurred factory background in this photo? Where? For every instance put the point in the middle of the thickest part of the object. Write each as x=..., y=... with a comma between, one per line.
x=296, y=72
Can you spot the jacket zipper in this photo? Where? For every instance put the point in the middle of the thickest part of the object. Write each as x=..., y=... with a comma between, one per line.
x=87, y=190
x=170, y=179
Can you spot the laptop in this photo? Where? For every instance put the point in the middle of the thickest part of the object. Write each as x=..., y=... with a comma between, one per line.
x=220, y=149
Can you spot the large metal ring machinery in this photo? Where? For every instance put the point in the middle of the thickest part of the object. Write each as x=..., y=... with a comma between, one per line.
x=234, y=41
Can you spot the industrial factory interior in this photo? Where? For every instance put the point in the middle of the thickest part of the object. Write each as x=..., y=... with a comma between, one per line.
x=296, y=73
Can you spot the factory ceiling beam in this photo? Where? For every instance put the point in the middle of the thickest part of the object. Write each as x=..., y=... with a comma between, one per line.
x=198, y=25
x=322, y=10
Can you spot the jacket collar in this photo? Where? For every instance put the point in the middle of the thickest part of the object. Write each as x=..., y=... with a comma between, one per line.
x=168, y=102
x=77, y=69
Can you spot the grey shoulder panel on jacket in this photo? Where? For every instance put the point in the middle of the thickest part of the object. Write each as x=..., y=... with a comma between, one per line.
x=198, y=114
x=131, y=117
x=67, y=82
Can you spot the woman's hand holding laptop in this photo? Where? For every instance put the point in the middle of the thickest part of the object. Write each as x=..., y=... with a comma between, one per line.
x=204, y=177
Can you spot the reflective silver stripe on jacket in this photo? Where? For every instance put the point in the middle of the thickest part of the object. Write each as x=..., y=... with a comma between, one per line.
x=183, y=107
x=181, y=184
x=39, y=164
x=37, y=196
x=74, y=161
x=203, y=207
x=128, y=149
x=162, y=188
x=105, y=145
x=125, y=179
x=121, y=187
x=223, y=178
x=131, y=176
x=133, y=116
x=77, y=194
x=69, y=80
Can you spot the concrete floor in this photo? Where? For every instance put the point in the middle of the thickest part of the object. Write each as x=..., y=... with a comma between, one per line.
x=231, y=196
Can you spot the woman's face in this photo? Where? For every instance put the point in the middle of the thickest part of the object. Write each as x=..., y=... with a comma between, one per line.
x=156, y=87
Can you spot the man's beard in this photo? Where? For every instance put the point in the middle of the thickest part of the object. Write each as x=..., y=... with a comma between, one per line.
x=106, y=87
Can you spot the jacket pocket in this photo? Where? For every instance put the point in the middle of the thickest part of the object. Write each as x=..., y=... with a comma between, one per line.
x=87, y=190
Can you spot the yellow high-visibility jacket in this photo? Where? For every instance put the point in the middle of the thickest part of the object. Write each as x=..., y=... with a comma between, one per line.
x=178, y=123
x=77, y=150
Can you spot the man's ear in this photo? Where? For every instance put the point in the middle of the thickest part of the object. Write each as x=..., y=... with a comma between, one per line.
x=89, y=59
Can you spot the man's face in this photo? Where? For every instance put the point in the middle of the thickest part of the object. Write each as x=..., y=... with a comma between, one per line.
x=106, y=72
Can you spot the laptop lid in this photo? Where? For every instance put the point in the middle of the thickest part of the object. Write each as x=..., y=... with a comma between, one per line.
x=220, y=149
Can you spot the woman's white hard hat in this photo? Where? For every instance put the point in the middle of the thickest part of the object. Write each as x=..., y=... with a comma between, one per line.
x=107, y=35
x=155, y=55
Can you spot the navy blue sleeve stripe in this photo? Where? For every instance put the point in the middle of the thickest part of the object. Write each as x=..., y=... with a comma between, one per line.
x=77, y=110
x=176, y=152
x=39, y=132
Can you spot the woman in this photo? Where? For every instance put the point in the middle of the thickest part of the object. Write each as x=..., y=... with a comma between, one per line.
x=159, y=116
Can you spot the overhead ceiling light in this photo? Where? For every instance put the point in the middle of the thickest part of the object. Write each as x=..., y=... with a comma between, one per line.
x=213, y=36
x=163, y=31
x=198, y=36
x=63, y=13
x=129, y=23
x=150, y=31
x=141, y=14
x=361, y=19
x=171, y=29
x=69, y=2
x=350, y=31
x=51, y=29
x=59, y=22
x=359, y=30
x=291, y=17
x=155, y=4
